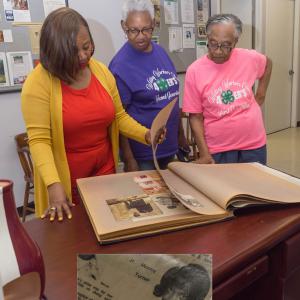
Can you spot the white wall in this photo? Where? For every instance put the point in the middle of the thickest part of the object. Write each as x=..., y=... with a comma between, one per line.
x=11, y=123
x=104, y=18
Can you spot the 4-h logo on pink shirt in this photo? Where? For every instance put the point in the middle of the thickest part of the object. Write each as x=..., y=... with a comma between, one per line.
x=227, y=97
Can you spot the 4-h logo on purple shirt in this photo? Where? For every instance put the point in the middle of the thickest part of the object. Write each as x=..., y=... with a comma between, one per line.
x=162, y=84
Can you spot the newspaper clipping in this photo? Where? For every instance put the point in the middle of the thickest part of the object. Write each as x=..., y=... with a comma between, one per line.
x=144, y=276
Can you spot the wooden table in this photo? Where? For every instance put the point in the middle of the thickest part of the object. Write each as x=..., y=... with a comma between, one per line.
x=250, y=252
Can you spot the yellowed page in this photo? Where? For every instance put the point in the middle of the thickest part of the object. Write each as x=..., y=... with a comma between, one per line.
x=157, y=125
x=224, y=182
x=192, y=198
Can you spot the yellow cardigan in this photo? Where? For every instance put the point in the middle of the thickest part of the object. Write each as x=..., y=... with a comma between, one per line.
x=42, y=111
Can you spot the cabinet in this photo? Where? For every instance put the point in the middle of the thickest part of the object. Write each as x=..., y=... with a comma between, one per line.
x=274, y=276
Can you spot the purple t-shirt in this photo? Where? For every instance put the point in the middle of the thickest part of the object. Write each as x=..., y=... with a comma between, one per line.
x=147, y=82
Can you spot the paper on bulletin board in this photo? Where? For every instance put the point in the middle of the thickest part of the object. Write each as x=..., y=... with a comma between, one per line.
x=4, y=78
x=187, y=11
x=175, y=39
x=201, y=29
x=188, y=35
x=205, y=10
x=7, y=35
x=202, y=11
x=17, y=11
x=201, y=48
x=202, y=17
x=19, y=66
x=34, y=34
x=156, y=5
x=50, y=5
x=171, y=12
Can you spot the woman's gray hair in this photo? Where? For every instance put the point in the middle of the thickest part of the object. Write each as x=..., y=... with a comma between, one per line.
x=225, y=19
x=137, y=5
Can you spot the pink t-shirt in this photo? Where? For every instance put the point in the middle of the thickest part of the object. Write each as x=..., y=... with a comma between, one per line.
x=223, y=93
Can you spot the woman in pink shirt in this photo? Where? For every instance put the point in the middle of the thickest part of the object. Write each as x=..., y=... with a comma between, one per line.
x=225, y=114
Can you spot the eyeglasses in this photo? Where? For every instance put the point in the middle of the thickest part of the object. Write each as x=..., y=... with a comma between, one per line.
x=134, y=32
x=216, y=46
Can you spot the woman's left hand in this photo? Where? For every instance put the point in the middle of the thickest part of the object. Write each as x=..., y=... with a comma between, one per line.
x=161, y=135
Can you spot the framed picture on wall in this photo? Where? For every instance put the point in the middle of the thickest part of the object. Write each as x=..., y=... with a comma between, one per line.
x=19, y=66
x=4, y=78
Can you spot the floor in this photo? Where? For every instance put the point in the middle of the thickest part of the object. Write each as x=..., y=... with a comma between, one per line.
x=283, y=152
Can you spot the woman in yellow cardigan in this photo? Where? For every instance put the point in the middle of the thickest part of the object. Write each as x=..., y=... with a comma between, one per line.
x=73, y=114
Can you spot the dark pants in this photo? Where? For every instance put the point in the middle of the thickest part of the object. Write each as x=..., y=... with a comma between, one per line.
x=242, y=156
x=149, y=164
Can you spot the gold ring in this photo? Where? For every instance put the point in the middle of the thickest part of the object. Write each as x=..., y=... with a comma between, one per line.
x=53, y=208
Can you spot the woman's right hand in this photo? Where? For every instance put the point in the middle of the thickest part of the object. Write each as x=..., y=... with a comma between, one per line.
x=58, y=203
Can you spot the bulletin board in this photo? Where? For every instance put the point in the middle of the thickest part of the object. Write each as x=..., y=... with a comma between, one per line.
x=190, y=25
x=20, y=23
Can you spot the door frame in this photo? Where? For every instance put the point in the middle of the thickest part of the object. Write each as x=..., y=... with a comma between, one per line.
x=296, y=67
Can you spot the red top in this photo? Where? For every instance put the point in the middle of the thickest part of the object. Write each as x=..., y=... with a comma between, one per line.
x=87, y=114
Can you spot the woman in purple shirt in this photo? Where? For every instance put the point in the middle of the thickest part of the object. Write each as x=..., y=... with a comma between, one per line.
x=147, y=82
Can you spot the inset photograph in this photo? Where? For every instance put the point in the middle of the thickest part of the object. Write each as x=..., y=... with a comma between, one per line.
x=144, y=276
